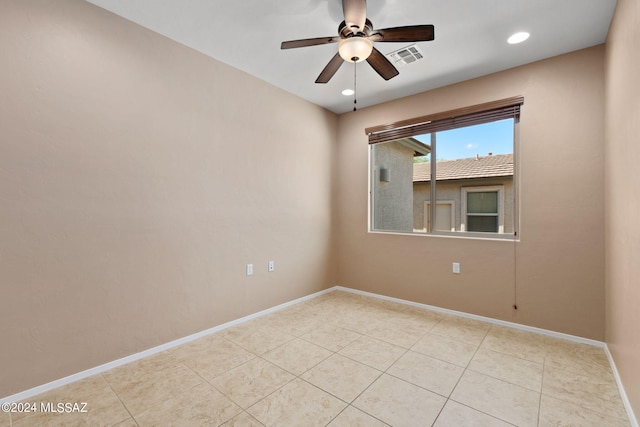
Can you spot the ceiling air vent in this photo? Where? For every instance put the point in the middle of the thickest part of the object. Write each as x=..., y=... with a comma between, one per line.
x=406, y=55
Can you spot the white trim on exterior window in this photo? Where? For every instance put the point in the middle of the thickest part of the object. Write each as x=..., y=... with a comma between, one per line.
x=427, y=214
x=499, y=189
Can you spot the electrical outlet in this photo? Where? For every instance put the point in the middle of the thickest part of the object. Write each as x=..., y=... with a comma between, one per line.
x=249, y=269
x=272, y=265
x=456, y=268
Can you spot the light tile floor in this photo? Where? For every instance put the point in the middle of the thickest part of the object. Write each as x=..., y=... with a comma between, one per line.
x=347, y=360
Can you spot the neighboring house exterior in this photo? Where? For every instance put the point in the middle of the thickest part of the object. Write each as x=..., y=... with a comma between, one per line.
x=392, y=186
x=473, y=194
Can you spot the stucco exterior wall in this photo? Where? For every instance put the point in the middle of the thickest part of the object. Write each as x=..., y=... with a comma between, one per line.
x=393, y=200
x=452, y=191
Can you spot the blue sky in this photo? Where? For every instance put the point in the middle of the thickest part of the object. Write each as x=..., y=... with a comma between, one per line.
x=494, y=137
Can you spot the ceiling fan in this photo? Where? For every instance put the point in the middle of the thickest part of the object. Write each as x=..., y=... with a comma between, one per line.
x=355, y=41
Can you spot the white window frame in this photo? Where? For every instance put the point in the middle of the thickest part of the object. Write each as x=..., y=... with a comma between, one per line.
x=427, y=214
x=433, y=124
x=482, y=189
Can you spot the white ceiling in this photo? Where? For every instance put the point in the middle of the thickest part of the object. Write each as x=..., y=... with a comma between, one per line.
x=470, y=38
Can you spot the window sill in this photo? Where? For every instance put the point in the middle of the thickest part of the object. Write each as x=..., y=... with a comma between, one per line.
x=457, y=235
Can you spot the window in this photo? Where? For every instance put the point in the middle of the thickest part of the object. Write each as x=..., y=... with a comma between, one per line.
x=445, y=216
x=483, y=209
x=464, y=160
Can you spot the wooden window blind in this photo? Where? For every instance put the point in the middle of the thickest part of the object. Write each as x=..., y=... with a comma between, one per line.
x=468, y=116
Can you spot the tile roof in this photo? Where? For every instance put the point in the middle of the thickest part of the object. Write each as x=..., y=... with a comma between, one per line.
x=473, y=167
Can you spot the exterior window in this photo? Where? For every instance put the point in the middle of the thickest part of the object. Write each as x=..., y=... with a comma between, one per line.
x=483, y=209
x=445, y=216
x=467, y=167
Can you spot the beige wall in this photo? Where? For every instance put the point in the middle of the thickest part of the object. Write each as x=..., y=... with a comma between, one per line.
x=622, y=154
x=559, y=264
x=137, y=178
x=129, y=205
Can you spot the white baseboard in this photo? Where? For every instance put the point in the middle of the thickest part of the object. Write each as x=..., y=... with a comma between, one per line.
x=146, y=353
x=581, y=340
x=508, y=324
x=623, y=394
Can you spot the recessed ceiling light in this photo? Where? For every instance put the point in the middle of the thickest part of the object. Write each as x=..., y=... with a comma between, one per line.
x=348, y=92
x=518, y=38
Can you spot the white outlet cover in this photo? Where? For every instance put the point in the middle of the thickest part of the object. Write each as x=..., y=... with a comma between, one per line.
x=272, y=265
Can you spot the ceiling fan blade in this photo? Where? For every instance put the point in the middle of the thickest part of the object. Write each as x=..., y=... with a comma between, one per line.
x=412, y=33
x=382, y=65
x=330, y=69
x=355, y=14
x=309, y=42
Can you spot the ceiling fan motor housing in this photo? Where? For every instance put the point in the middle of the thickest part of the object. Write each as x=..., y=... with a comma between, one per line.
x=346, y=31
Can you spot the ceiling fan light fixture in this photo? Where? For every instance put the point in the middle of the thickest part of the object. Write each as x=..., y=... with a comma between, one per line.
x=518, y=37
x=355, y=49
x=348, y=92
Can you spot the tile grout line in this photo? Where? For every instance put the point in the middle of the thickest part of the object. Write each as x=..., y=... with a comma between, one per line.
x=70, y=379
x=391, y=365
x=581, y=405
x=544, y=363
x=373, y=382
x=407, y=349
x=435, y=420
x=220, y=391
x=148, y=352
x=390, y=321
x=295, y=376
x=119, y=398
x=485, y=319
x=325, y=391
x=460, y=379
x=492, y=323
x=386, y=370
x=633, y=420
x=382, y=372
x=299, y=376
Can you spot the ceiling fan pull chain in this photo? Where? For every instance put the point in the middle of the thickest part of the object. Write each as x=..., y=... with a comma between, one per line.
x=355, y=87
